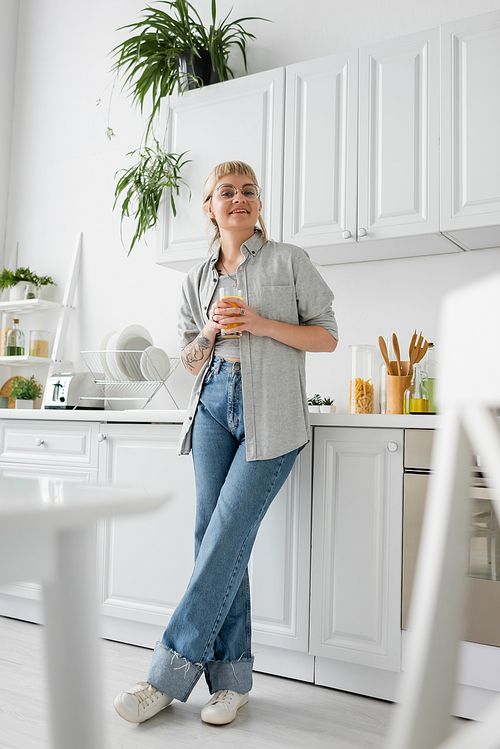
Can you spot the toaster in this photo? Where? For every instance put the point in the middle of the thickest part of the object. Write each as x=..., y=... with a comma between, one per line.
x=63, y=391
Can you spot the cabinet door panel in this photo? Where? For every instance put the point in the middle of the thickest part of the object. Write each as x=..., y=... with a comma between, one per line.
x=279, y=567
x=148, y=559
x=398, y=191
x=22, y=600
x=320, y=151
x=240, y=119
x=470, y=115
x=56, y=443
x=356, y=561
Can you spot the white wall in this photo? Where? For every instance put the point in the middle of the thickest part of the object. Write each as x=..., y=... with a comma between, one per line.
x=9, y=12
x=62, y=174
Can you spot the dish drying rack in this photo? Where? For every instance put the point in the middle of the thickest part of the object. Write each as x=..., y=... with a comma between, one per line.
x=138, y=389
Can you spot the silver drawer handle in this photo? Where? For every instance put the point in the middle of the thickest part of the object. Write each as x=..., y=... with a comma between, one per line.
x=392, y=447
x=39, y=441
x=101, y=437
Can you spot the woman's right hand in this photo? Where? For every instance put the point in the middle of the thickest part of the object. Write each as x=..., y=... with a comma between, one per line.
x=215, y=314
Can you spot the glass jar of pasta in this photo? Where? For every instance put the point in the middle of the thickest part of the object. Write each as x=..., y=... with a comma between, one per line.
x=361, y=386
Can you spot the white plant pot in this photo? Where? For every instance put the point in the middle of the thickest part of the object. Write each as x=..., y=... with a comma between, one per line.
x=17, y=292
x=19, y=403
x=23, y=290
x=314, y=409
x=328, y=409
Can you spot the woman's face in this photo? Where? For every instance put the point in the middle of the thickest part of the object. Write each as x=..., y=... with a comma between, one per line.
x=238, y=211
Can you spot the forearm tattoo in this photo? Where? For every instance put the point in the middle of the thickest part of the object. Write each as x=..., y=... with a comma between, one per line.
x=195, y=351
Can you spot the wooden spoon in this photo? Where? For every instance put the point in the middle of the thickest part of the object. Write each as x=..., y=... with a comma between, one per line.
x=395, y=346
x=383, y=351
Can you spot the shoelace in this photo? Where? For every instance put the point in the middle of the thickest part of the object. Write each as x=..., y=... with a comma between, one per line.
x=143, y=691
x=221, y=697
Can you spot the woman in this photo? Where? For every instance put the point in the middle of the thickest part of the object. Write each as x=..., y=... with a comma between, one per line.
x=247, y=420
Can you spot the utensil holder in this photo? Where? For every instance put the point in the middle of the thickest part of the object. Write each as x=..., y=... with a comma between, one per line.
x=405, y=368
x=396, y=387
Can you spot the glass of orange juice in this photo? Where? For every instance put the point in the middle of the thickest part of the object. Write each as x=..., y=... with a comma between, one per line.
x=227, y=294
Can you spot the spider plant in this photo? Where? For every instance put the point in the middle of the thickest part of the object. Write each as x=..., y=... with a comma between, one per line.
x=149, y=59
x=143, y=184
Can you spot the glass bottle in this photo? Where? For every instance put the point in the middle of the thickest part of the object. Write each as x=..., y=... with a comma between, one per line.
x=14, y=345
x=361, y=385
x=416, y=397
x=382, y=379
x=431, y=370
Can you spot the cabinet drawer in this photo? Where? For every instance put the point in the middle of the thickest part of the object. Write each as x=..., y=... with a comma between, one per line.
x=67, y=443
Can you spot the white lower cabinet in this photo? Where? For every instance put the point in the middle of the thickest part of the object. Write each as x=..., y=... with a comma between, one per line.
x=49, y=451
x=356, y=546
x=279, y=567
x=146, y=559
x=341, y=613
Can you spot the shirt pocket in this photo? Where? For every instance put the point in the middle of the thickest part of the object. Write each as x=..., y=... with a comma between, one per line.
x=279, y=303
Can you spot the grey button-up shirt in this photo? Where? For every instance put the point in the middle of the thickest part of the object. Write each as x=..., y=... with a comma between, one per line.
x=280, y=283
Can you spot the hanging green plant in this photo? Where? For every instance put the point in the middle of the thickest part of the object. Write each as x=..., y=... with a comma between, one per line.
x=164, y=53
x=143, y=184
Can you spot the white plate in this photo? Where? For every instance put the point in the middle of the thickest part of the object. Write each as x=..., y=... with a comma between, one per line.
x=132, y=362
x=125, y=336
x=102, y=355
x=155, y=364
x=117, y=372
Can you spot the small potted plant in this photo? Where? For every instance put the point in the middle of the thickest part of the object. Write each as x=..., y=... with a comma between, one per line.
x=25, y=392
x=23, y=283
x=327, y=406
x=314, y=403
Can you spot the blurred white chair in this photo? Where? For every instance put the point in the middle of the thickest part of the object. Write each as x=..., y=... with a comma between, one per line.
x=48, y=534
x=468, y=396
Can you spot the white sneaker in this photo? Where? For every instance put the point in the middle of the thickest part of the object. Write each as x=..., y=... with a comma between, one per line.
x=141, y=702
x=223, y=706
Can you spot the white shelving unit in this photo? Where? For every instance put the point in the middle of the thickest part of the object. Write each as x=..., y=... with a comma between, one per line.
x=29, y=306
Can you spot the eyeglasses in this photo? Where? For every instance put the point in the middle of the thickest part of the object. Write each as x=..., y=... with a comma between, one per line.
x=228, y=192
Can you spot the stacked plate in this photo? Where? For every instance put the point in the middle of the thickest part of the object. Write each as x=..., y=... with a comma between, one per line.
x=129, y=355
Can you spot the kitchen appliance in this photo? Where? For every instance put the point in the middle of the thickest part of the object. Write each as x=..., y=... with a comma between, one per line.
x=483, y=609
x=63, y=391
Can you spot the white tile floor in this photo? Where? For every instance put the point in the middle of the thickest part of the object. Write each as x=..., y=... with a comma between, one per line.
x=281, y=713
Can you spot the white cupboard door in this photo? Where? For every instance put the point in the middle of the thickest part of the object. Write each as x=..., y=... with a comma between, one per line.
x=22, y=600
x=241, y=120
x=279, y=567
x=470, y=146
x=320, y=156
x=147, y=559
x=398, y=190
x=356, y=549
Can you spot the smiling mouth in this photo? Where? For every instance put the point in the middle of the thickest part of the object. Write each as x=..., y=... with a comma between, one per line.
x=240, y=210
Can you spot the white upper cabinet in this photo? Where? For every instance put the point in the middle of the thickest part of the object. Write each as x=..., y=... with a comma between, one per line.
x=320, y=175
x=362, y=163
x=348, y=150
x=470, y=146
x=242, y=120
x=398, y=189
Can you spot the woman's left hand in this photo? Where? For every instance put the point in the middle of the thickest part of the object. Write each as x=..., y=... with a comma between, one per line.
x=239, y=312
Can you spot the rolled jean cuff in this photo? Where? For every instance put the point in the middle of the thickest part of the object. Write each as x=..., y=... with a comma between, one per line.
x=234, y=675
x=172, y=674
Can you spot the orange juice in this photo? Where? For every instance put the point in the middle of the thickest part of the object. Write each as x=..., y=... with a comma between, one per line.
x=228, y=294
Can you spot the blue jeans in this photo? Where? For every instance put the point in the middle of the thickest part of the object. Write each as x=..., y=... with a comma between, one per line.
x=210, y=630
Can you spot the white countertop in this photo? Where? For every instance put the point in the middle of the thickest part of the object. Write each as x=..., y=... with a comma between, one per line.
x=150, y=416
